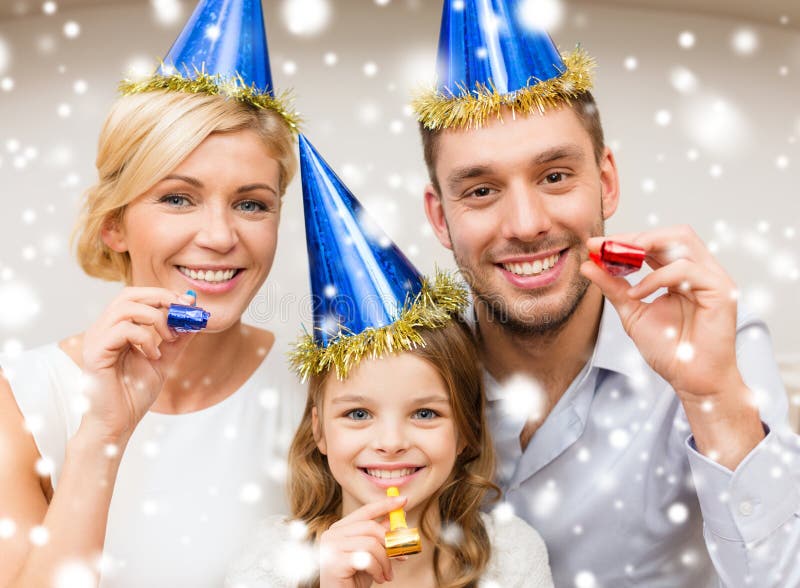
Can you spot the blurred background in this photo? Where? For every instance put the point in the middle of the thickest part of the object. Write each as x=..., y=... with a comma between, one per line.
x=700, y=101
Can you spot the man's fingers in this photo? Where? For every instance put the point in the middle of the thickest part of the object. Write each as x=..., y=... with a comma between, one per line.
x=682, y=276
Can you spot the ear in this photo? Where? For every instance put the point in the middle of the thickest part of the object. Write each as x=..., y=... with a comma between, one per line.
x=114, y=236
x=609, y=183
x=434, y=210
x=319, y=438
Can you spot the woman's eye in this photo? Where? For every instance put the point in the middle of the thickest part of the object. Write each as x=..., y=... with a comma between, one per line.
x=358, y=414
x=176, y=200
x=425, y=413
x=251, y=206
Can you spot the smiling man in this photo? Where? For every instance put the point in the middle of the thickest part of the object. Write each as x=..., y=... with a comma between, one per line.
x=641, y=429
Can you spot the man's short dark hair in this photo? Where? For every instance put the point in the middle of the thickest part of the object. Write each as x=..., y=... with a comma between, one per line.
x=584, y=106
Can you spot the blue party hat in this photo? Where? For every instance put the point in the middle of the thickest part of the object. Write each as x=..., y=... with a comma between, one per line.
x=491, y=57
x=221, y=50
x=368, y=298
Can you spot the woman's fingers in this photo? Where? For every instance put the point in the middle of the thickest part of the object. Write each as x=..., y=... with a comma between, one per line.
x=142, y=314
x=155, y=297
x=142, y=338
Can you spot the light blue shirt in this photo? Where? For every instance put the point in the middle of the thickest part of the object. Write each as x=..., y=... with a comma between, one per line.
x=613, y=483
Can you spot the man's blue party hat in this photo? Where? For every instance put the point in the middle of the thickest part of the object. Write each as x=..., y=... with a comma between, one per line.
x=491, y=56
x=221, y=50
x=368, y=299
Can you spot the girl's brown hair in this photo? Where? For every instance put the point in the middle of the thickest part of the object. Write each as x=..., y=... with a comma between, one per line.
x=316, y=497
x=144, y=138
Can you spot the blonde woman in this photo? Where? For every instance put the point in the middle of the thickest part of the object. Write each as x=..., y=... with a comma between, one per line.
x=156, y=445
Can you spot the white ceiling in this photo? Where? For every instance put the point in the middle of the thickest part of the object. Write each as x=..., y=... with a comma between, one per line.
x=764, y=11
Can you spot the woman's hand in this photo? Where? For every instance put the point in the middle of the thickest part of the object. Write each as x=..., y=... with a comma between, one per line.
x=352, y=551
x=126, y=355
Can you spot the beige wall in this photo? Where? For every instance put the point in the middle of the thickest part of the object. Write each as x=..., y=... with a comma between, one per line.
x=728, y=162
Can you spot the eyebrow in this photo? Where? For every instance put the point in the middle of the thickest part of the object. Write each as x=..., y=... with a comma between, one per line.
x=241, y=190
x=363, y=399
x=568, y=151
x=188, y=179
x=252, y=187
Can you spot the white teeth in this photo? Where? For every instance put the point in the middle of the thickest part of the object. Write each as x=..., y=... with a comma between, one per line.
x=532, y=269
x=209, y=275
x=388, y=474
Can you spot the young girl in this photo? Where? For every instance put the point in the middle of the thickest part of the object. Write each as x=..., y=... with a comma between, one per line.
x=414, y=420
x=394, y=401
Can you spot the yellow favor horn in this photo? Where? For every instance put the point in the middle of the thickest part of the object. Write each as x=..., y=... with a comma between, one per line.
x=400, y=540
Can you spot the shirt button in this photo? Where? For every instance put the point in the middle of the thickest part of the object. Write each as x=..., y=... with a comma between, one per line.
x=746, y=508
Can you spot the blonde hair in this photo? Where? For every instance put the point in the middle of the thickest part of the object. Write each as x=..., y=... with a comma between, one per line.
x=316, y=498
x=145, y=137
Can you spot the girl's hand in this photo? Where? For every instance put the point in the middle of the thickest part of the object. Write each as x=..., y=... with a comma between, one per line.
x=352, y=551
x=126, y=355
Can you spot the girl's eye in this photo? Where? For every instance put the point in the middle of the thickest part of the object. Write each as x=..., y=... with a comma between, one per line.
x=251, y=206
x=176, y=200
x=358, y=414
x=425, y=413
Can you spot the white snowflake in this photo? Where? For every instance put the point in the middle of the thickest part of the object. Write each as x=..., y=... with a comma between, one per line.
x=306, y=17
x=678, y=513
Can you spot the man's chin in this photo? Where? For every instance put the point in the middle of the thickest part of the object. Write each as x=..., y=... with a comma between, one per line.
x=538, y=315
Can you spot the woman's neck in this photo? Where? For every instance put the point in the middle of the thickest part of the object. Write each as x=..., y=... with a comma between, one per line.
x=212, y=367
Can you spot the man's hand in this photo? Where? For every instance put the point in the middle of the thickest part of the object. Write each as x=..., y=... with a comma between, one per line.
x=688, y=335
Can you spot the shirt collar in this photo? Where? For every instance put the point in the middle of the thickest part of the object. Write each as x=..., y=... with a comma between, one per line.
x=614, y=350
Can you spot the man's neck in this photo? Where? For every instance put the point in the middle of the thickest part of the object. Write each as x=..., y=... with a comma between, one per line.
x=552, y=359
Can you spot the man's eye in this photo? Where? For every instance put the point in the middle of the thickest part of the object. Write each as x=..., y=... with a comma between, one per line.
x=555, y=177
x=425, y=413
x=251, y=206
x=176, y=200
x=358, y=414
x=481, y=192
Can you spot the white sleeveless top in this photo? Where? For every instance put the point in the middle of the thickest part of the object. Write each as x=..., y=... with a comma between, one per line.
x=191, y=487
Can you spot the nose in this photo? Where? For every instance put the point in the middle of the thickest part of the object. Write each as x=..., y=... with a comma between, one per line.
x=391, y=437
x=218, y=230
x=526, y=214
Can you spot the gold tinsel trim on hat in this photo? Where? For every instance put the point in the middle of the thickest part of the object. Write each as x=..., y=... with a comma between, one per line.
x=204, y=83
x=438, y=110
x=433, y=307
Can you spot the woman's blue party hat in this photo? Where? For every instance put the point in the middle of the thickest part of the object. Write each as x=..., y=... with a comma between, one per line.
x=221, y=50
x=368, y=298
x=491, y=57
